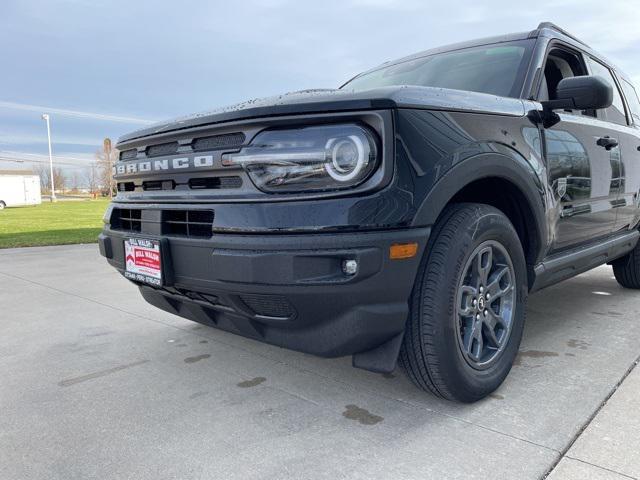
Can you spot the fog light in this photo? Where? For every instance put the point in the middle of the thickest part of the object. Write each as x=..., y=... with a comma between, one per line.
x=349, y=267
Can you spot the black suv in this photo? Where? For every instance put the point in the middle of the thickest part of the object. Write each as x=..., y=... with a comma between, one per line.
x=406, y=215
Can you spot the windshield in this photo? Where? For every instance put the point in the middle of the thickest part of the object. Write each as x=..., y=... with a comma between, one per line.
x=497, y=69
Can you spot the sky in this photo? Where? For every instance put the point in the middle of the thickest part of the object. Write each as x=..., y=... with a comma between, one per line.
x=103, y=68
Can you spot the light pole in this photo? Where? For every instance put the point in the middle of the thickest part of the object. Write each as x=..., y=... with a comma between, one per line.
x=45, y=117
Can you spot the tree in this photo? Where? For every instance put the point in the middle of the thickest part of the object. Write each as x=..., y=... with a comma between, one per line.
x=107, y=158
x=75, y=182
x=92, y=178
x=59, y=180
x=42, y=171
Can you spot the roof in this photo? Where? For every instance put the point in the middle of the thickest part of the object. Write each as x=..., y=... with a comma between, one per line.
x=556, y=29
x=551, y=30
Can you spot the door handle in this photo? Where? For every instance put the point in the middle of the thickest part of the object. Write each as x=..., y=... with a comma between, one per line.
x=607, y=142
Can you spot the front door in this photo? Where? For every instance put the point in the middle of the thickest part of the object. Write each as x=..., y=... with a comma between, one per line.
x=581, y=162
x=581, y=178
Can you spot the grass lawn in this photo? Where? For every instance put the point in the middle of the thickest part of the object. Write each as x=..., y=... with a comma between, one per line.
x=58, y=223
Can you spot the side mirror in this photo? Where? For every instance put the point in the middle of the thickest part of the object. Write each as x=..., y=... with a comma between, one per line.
x=576, y=93
x=583, y=93
x=586, y=93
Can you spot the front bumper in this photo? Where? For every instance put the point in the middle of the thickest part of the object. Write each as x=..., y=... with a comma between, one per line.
x=289, y=290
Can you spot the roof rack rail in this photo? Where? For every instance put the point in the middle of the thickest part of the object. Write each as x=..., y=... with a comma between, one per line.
x=555, y=27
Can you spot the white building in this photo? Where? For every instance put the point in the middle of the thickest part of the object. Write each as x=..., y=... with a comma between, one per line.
x=18, y=188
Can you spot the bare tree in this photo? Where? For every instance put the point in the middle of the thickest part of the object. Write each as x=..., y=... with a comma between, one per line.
x=107, y=158
x=92, y=178
x=45, y=179
x=75, y=182
x=59, y=180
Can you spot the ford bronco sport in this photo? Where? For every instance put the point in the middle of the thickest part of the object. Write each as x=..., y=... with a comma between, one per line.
x=404, y=216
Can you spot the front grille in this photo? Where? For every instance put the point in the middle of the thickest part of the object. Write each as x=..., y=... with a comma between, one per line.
x=126, y=186
x=269, y=305
x=212, y=142
x=198, y=183
x=127, y=219
x=215, y=182
x=216, y=142
x=162, y=149
x=129, y=154
x=158, y=185
x=184, y=223
x=189, y=223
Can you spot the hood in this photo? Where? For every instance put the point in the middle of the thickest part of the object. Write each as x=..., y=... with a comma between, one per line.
x=326, y=100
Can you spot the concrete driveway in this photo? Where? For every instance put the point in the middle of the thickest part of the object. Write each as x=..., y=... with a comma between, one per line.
x=96, y=384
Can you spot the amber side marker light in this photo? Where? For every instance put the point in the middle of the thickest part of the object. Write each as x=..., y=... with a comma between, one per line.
x=403, y=250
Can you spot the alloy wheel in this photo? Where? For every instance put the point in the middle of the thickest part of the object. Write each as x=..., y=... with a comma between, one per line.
x=485, y=304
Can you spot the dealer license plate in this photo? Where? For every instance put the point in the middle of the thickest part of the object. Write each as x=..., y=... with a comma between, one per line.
x=143, y=261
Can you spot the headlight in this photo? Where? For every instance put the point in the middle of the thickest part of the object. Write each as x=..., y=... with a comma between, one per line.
x=327, y=157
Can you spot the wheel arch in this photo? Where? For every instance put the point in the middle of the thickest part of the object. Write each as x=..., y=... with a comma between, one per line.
x=509, y=184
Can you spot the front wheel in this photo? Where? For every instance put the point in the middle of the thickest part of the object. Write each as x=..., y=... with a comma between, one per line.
x=2, y=205
x=627, y=269
x=467, y=306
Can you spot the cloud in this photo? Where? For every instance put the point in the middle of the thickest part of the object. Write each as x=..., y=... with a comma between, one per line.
x=75, y=113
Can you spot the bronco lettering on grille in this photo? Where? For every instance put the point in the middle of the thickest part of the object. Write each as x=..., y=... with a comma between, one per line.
x=129, y=168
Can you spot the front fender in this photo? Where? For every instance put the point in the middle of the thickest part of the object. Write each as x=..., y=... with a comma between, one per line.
x=506, y=165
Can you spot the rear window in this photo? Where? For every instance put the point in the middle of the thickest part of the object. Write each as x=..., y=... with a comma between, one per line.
x=496, y=69
x=632, y=99
x=615, y=113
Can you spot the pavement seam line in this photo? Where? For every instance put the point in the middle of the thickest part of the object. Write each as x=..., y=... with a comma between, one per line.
x=277, y=361
x=601, y=467
x=589, y=420
x=100, y=373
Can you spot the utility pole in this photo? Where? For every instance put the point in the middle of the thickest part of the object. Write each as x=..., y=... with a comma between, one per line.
x=45, y=117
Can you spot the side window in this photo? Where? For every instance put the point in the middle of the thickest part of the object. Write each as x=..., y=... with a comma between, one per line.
x=560, y=64
x=632, y=100
x=615, y=113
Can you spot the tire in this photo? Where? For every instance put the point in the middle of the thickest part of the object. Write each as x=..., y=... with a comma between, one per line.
x=2, y=205
x=442, y=350
x=627, y=269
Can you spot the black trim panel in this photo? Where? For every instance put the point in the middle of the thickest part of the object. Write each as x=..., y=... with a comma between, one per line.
x=562, y=266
